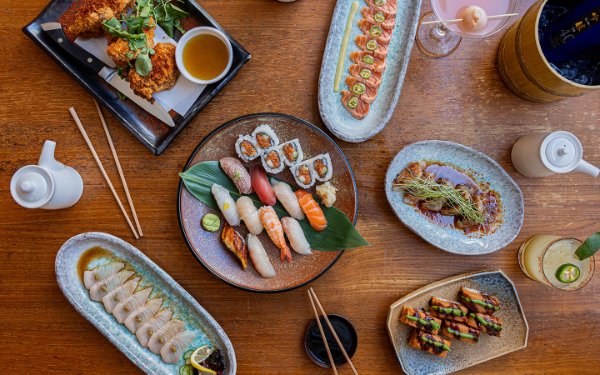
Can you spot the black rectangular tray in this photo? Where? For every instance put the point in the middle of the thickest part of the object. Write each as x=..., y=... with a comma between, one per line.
x=154, y=134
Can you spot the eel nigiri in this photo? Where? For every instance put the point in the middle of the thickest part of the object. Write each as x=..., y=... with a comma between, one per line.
x=312, y=210
x=288, y=199
x=226, y=204
x=236, y=171
x=294, y=233
x=249, y=215
x=236, y=244
x=261, y=185
x=259, y=257
x=272, y=225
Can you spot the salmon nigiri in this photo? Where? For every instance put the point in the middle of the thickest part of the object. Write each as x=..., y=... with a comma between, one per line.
x=312, y=210
x=272, y=225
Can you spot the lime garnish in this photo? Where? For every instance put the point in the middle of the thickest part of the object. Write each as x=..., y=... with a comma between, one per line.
x=568, y=273
x=588, y=247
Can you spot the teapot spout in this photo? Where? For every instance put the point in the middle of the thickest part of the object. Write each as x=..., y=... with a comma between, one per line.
x=47, y=156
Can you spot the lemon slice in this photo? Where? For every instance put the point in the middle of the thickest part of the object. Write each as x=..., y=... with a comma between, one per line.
x=200, y=356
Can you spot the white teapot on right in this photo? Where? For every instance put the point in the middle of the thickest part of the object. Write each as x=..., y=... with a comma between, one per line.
x=544, y=154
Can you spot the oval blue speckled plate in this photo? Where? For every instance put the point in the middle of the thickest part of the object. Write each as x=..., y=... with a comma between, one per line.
x=333, y=113
x=462, y=355
x=486, y=170
x=184, y=306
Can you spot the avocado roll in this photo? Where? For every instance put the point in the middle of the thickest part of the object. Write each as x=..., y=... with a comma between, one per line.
x=246, y=148
x=292, y=152
x=272, y=160
x=489, y=324
x=420, y=319
x=265, y=138
x=322, y=166
x=304, y=174
x=429, y=343
x=459, y=331
x=448, y=310
x=478, y=302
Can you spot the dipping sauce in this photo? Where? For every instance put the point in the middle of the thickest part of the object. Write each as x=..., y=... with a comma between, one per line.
x=205, y=56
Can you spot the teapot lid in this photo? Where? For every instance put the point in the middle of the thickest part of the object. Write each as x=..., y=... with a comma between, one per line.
x=561, y=151
x=31, y=186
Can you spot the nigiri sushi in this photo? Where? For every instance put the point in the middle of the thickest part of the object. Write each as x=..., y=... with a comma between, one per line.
x=136, y=300
x=176, y=346
x=102, y=288
x=226, y=204
x=146, y=330
x=100, y=273
x=142, y=314
x=164, y=334
x=236, y=244
x=259, y=257
x=288, y=199
x=272, y=225
x=236, y=171
x=294, y=233
x=249, y=214
x=261, y=185
x=120, y=294
x=312, y=210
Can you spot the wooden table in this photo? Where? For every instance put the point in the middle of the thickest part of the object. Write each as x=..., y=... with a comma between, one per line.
x=460, y=98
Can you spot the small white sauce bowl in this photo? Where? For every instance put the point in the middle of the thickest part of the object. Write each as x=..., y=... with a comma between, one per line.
x=186, y=38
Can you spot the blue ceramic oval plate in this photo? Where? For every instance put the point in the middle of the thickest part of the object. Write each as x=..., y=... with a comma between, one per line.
x=485, y=170
x=462, y=355
x=334, y=115
x=184, y=306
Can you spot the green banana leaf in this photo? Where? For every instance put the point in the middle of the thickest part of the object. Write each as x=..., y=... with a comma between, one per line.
x=339, y=235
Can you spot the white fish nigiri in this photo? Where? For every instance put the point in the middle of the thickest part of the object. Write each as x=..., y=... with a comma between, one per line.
x=137, y=299
x=249, y=215
x=100, y=273
x=142, y=314
x=288, y=199
x=120, y=294
x=164, y=334
x=295, y=235
x=176, y=346
x=259, y=257
x=146, y=330
x=226, y=204
x=103, y=287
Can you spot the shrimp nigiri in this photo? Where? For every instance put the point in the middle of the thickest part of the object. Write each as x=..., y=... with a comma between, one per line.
x=312, y=210
x=249, y=215
x=294, y=233
x=272, y=225
x=286, y=196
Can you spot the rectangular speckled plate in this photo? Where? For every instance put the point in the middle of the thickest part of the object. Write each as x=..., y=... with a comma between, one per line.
x=462, y=354
x=337, y=119
x=184, y=306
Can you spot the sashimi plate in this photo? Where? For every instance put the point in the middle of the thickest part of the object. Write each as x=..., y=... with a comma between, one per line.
x=337, y=119
x=486, y=170
x=69, y=263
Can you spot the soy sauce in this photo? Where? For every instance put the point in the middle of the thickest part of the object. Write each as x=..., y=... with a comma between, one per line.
x=315, y=348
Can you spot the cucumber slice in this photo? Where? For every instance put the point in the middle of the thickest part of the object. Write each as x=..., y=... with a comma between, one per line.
x=568, y=273
x=188, y=354
x=589, y=247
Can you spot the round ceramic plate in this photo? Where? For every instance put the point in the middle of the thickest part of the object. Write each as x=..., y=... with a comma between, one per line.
x=480, y=166
x=208, y=248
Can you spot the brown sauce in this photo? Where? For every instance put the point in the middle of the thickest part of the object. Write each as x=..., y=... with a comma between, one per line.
x=205, y=56
x=90, y=255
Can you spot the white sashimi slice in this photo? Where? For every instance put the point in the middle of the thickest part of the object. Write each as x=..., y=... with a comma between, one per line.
x=100, y=273
x=142, y=314
x=288, y=199
x=103, y=287
x=146, y=330
x=176, y=346
x=164, y=334
x=135, y=301
x=120, y=294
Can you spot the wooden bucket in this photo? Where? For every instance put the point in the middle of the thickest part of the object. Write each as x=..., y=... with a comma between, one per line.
x=524, y=68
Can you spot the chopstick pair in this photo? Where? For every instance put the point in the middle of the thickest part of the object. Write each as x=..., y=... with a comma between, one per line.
x=311, y=295
x=137, y=234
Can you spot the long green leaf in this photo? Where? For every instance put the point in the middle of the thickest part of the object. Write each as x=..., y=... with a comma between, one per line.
x=339, y=235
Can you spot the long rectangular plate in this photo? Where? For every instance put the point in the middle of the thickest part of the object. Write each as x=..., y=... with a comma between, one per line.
x=186, y=308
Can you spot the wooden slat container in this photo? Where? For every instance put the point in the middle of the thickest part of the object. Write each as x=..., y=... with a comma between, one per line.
x=524, y=67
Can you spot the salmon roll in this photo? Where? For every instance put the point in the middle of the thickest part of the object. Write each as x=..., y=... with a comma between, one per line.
x=265, y=138
x=292, y=152
x=420, y=319
x=321, y=164
x=304, y=174
x=448, y=310
x=459, y=331
x=246, y=148
x=429, y=343
x=478, y=302
x=272, y=160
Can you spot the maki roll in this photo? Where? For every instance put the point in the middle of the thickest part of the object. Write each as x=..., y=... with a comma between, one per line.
x=265, y=137
x=292, y=152
x=321, y=164
x=304, y=174
x=272, y=160
x=246, y=148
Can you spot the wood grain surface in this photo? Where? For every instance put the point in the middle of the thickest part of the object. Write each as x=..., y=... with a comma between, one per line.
x=459, y=98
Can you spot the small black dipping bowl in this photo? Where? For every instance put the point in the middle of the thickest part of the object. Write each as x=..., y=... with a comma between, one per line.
x=313, y=342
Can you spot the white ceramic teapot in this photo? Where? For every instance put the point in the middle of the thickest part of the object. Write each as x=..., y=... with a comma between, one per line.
x=50, y=184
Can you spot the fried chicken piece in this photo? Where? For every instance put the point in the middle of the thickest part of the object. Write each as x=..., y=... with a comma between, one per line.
x=118, y=49
x=84, y=17
x=163, y=75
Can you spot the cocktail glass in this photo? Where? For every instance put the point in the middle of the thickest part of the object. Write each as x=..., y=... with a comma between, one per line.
x=541, y=256
x=442, y=38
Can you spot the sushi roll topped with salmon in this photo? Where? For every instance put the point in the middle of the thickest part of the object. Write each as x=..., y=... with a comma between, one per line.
x=265, y=137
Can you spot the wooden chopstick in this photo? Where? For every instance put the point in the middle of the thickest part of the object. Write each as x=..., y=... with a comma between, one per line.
x=335, y=336
x=121, y=174
x=106, y=178
x=322, y=334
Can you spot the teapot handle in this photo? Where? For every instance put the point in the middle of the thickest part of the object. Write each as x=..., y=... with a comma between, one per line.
x=587, y=168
